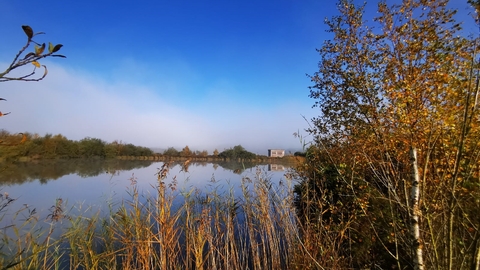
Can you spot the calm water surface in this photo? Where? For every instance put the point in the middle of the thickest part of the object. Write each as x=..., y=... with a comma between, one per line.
x=94, y=185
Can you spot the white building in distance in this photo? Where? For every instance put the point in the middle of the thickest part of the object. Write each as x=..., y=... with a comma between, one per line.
x=276, y=152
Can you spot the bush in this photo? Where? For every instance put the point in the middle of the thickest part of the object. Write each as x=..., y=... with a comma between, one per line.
x=237, y=152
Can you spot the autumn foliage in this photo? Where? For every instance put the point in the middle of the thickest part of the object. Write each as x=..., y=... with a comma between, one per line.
x=406, y=80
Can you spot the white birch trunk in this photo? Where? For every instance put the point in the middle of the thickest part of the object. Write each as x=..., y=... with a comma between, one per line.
x=476, y=259
x=416, y=213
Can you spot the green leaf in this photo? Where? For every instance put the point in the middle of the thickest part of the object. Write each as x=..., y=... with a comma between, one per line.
x=57, y=47
x=28, y=31
x=50, y=47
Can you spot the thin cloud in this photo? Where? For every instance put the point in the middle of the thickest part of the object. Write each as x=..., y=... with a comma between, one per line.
x=77, y=105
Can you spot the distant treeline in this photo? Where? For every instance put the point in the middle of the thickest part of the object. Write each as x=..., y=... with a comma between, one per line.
x=51, y=146
x=33, y=146
x=237, y=152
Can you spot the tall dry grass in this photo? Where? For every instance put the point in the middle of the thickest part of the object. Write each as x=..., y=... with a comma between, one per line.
x=214, y=229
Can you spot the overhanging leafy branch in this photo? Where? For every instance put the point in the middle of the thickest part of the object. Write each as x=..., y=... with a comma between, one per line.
x=31, y=58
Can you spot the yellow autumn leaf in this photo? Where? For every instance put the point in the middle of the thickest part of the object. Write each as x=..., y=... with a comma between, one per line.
x=36, y=64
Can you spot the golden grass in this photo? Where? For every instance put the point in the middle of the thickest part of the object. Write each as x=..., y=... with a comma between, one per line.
x=210, y=230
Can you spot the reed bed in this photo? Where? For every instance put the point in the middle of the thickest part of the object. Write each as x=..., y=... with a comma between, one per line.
x=213, y=229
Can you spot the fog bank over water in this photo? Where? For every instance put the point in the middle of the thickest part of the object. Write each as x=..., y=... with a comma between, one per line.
x=79, y=105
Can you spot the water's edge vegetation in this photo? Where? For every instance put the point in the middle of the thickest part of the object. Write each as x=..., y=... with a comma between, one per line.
x=209, y=230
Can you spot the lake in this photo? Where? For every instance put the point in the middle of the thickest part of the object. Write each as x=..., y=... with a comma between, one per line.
x=98, y=184
x=138, y=214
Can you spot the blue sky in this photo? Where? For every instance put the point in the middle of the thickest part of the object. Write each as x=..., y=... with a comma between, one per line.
x=207, y=74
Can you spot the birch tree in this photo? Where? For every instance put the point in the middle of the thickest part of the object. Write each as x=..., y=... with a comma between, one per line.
x=404, y=80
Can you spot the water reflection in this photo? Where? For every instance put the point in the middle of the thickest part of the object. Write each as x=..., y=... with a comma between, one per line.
x=204, y=192
x=276, y=167
x=46, y=170
x=100, y=185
